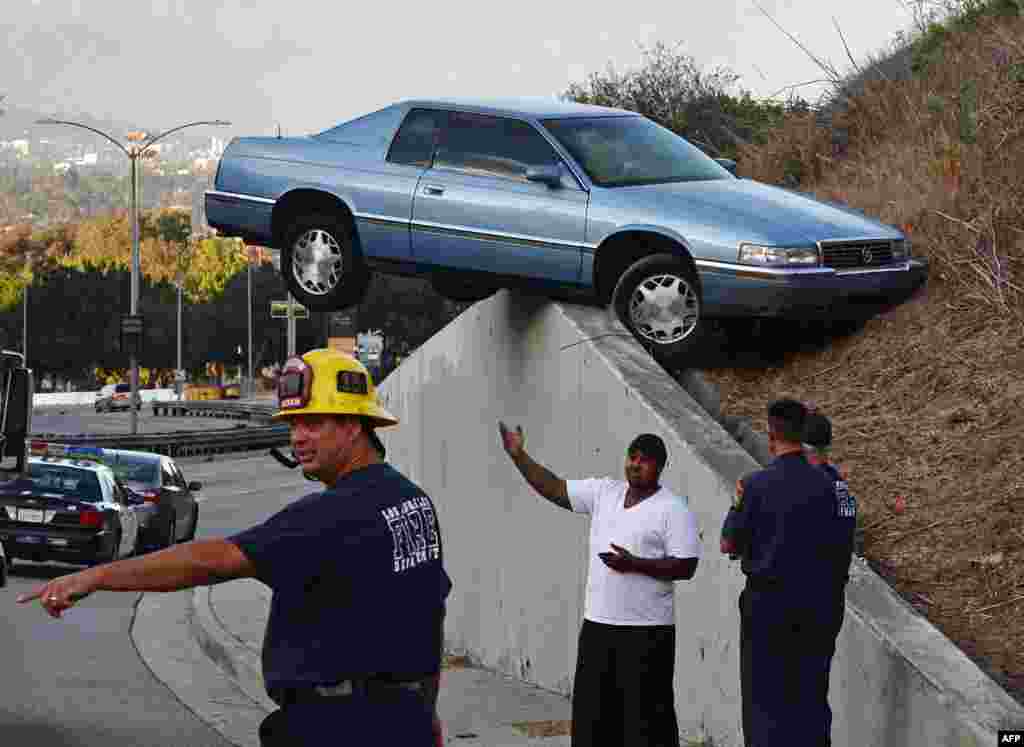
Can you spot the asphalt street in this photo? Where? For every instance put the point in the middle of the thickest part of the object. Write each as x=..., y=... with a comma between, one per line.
x=79, y=681
x=75, y=419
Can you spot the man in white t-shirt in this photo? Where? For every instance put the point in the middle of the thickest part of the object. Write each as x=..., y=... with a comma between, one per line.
x=643, y=538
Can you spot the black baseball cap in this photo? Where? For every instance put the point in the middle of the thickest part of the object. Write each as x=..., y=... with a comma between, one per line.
x=651, y=446
x=817, y=431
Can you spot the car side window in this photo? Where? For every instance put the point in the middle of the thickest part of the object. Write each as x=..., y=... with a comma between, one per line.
x=179, y=477
x=492, y=146
x=416, y=139
x=167, y=474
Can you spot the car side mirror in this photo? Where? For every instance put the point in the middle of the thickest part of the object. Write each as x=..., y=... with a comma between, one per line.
x=195, y=486
x=728, y=164
x=550, y=174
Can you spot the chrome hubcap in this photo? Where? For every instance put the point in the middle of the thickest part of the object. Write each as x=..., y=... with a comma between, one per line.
x=664, y=309
x=317, y=262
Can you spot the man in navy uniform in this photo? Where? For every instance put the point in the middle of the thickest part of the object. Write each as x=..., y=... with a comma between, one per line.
x=791, y=528
x=352, y=652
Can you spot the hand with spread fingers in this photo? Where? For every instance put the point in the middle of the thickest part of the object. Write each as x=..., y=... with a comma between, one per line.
x=61, y=593
x=620, y=559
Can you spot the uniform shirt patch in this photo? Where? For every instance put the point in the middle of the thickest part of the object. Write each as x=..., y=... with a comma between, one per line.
x=846, y=504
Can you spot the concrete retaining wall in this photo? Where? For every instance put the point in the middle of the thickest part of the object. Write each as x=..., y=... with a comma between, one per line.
x=519, y=563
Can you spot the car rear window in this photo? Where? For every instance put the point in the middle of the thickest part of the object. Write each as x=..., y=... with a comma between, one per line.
x=123, y=388
x=80, y=484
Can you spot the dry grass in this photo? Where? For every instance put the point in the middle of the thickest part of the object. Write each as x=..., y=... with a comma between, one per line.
x=928, y=400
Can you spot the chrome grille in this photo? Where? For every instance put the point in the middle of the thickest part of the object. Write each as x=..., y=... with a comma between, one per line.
x=854, y=254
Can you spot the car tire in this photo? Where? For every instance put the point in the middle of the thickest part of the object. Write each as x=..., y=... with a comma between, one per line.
x=461, y=291
x=346, y=278
x=4, y=569
x=666, y=286
x=194, y=525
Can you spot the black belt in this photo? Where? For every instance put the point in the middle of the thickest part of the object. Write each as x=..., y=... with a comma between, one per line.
x=289, y=695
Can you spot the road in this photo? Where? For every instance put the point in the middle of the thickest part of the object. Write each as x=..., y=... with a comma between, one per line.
x=75, y=419
x=78, y=681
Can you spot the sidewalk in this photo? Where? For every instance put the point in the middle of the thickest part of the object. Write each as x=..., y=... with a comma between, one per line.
x=226, y=624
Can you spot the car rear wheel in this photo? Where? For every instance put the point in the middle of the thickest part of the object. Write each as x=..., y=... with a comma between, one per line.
x=658, y=299
x=3, y=570
x=320, y=265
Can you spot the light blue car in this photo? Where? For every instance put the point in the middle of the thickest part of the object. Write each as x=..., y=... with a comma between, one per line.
x=575, y=201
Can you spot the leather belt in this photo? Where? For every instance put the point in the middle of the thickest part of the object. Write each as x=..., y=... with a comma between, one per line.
x=288, y=695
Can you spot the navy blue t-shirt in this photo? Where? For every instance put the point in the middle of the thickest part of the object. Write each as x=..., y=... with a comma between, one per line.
x=787, y=527
x=358, y=582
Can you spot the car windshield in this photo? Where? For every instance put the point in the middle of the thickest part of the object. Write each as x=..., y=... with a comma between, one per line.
x=136, y=470
x=80, y=484
x=627, y=151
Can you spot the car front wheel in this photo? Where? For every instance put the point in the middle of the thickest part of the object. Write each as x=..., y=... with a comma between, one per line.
x=320, y=265
x=658, y=299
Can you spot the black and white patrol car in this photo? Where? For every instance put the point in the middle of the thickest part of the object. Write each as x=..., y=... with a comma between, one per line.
x=70, y=507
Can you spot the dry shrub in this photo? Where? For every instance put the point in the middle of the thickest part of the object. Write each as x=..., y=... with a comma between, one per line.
x=941, y=155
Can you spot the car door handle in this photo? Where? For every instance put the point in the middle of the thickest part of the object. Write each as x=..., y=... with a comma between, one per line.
x=433, y=189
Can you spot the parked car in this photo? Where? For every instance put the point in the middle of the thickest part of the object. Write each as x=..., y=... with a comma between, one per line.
x=117, y=397
x=160, y=482
x=70, y=508
x=572, y=200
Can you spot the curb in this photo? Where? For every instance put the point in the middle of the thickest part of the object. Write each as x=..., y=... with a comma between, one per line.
x=235, y=658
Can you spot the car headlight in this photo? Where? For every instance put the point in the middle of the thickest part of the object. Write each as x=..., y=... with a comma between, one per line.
x=900, y=249
x=754, y=254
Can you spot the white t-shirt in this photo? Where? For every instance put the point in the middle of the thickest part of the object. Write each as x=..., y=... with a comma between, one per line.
x=657, y=527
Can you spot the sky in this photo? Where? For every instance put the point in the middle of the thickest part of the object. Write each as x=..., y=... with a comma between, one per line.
x=308, y=64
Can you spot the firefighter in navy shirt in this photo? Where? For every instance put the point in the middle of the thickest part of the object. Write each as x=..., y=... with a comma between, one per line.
x=352, y=650
x=786, y=527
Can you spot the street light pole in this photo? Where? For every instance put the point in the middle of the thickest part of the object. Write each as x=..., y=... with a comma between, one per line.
x=24, y=329
x=252, y=388
x=177, y=382
x=134, y=153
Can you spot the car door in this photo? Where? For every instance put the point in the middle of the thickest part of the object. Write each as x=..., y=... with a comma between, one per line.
x=127, y=515
x=475, y=210
x=171, y=492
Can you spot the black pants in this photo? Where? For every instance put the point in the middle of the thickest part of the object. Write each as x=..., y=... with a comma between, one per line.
x=787, y=641
x=402, y=719
x=623, y=691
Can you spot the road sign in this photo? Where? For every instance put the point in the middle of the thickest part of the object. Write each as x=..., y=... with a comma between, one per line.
x=279, y=310
x=180, y=375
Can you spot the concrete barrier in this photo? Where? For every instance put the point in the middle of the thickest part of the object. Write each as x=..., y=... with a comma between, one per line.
x=582, y=388
x=54, y=399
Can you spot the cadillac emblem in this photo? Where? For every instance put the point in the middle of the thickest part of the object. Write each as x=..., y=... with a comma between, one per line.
x=866, y=255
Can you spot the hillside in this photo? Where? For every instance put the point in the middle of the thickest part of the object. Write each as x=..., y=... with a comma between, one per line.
x=927, y=399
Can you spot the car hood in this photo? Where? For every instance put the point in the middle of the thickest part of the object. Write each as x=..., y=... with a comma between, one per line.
x=746, y=210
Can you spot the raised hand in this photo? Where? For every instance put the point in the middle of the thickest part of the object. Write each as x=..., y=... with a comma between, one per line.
x=513, y=441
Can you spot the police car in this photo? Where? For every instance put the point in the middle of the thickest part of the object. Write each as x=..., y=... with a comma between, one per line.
x=70, y=507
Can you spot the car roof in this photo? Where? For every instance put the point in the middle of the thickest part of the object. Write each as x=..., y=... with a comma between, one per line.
x=84, y=464
x=139, y=456
x=538, y=107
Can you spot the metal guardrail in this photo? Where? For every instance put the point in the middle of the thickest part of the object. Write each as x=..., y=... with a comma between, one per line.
x=197, y=443
x=215, y=408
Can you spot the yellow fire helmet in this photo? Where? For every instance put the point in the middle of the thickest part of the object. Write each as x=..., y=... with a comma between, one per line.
x=328, y=382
